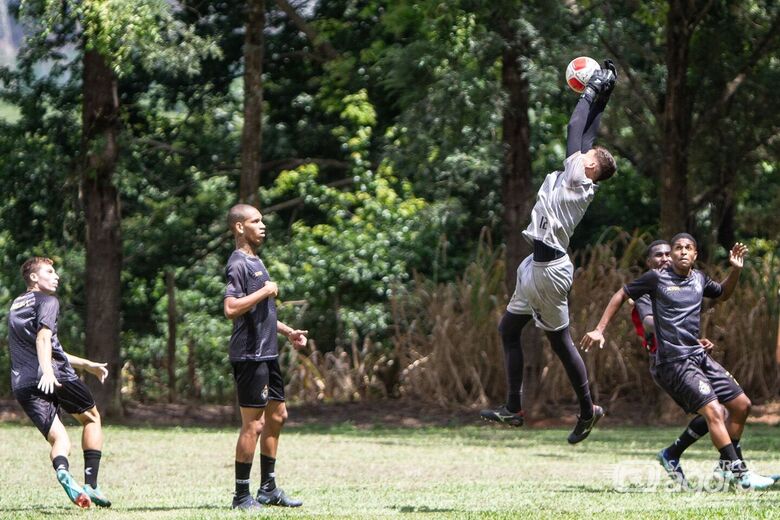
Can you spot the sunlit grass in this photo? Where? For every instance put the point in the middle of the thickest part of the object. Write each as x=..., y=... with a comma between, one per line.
x=346, y=472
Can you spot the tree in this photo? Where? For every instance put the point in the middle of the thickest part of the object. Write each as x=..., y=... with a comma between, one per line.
x=252, y=133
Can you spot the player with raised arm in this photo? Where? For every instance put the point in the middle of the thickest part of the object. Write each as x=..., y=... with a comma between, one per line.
x=249, y=303
x=44, y=381
x=545, y=277
x=683, y=369
x=658, y=257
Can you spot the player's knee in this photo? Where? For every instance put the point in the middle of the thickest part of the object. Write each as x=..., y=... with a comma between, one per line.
x=91, y=416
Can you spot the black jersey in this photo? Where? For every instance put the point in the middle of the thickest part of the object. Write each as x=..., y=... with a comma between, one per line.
x=29, y=313
x=676, y=309
x=254, y=332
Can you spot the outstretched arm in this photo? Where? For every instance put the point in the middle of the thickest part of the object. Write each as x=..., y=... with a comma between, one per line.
x=737, y=261
x=597, y=334
x=99, y=370
x=599, y=96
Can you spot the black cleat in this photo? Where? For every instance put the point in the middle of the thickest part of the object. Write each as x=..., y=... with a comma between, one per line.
x=583, y=427
x=246, y=503
x=503, y=416
x=277, y=497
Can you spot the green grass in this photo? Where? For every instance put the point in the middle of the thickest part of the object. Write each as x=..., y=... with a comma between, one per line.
x=466, y=472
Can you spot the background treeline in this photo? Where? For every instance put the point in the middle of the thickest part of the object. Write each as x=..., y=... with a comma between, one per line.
x=395, y=148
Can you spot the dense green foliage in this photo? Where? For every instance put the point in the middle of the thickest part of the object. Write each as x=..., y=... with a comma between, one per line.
x=380, y=159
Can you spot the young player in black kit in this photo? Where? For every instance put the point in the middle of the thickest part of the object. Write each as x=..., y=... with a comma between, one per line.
x=683, y=369
x=249, y=302
x=658, y=257
x=545, y=277
x=44, y=382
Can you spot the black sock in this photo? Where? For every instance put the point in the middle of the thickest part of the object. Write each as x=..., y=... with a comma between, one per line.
x=243, y=469
x=730, y=461
x=91, y=466
x=564, y=348
x=60, y=462
x=696, y=428
x=737, y=448
x=510, y=328
x=267, y=475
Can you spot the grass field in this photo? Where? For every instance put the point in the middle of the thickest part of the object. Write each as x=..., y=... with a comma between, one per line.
x=465, y=472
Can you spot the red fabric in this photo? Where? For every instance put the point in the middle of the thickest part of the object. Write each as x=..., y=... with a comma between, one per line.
x=640, y=331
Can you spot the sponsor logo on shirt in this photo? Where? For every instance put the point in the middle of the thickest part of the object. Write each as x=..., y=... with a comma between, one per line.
x=18, y=304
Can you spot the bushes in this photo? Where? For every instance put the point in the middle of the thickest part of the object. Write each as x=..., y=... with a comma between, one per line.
x=447, y=339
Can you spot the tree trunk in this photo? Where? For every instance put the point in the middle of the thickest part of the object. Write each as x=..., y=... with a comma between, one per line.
x=192, y=374
x=100, y=129
x=170, y=286
x=518, y=195
x=252, y=134
x=681, y=22
x=516, y=183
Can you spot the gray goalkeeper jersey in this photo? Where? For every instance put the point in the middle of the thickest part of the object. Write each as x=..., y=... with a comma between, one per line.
x=561, y=203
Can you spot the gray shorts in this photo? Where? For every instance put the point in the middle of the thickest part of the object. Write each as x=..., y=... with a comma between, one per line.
x=542, y=291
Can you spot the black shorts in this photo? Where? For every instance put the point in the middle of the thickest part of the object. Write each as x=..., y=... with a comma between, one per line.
x=257, y=382
x=695, y=381
x=73, y=396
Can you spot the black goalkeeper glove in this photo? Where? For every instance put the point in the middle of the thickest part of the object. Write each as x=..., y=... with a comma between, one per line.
x=611, y=70
x=597, y=83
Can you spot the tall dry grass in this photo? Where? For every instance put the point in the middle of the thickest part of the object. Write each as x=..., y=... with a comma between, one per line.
x=449, y=349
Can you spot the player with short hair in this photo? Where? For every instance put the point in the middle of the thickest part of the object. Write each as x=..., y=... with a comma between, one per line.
x=658, y=256
x=249, y=303
x=683, y=369
x=43, y=380
x=545, y=277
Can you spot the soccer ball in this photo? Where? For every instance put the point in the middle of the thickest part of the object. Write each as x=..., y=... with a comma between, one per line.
x=579, y=71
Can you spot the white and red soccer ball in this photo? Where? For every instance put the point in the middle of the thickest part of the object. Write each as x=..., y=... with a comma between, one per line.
x=579, y=71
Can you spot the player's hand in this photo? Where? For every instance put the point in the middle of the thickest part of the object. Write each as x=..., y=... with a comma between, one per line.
x=737, y=255
x=596, y=85
x=99, y=370
x=706, y=344
x=611, y=73
x=48, y=383
x=272, y=288
x=590, y=339
x=298, y=338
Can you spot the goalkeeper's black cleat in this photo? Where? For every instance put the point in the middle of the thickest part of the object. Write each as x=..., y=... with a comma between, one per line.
x=277, y=497
x=584, y=426
x=503, y=416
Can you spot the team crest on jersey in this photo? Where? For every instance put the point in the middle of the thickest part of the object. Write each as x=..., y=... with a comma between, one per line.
x=704, y=388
